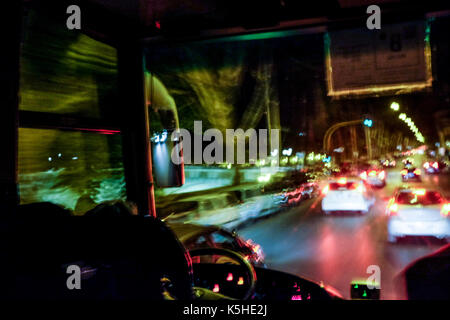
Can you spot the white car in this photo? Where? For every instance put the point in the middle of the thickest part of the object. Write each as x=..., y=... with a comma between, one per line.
x=346, y=195
x=418, y=212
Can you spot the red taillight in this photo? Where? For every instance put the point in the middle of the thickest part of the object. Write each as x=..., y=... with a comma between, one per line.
x=372, y=173
x=393, y=208
x=417, y=172
x=404, y=172
x=325, y=190
x=382, y=175
x=435, y=165
x=363, y=175
x=426, y=165
x=445, y=211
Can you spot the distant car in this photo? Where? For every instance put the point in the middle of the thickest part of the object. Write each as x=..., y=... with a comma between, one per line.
x=293, y=196
x=288, y=197
x=197, y=236
x=346, y=195
x=374, y=177
x=388, y=163
x=418, y=212
x=310, y=190
x=433, y=167
x=408, y=161
x=410, y=173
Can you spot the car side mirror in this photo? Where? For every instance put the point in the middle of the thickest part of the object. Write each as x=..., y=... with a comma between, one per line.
x=360, y=290
x=167, y=174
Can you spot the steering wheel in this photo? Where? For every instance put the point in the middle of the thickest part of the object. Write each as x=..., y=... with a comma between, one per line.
x=231, y=254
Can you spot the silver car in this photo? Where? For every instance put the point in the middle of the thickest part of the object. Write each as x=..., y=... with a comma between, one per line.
x=418, y=212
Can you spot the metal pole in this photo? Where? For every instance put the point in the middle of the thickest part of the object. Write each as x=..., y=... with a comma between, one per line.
x=136, y=134
x=9, y=88
x=368, y=142
x=333, y=128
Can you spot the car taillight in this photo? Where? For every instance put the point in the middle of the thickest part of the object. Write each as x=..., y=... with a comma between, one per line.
x=363, y=175
x=393, y=208
x=325, y=190
x=372, y=173
x=426, y=165
x=381, y=175
x=445, y=210
x=417, y=172
x=404, y=172
x=360, y=189
x=435, y=165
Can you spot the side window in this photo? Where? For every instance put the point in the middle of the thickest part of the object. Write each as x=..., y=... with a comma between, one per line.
x=70, y=148
x=77, y=170
x=64, y=71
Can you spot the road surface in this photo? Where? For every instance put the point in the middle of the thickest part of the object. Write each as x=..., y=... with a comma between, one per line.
x=338, y=249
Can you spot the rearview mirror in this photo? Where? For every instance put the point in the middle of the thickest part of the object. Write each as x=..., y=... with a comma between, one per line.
x=166, y=173
x=360, y=290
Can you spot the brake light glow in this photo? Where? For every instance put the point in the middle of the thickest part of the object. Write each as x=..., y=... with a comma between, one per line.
x=363, y=175
x=372, y=173
x=230, y=277
x=404, y=172
x=216, y=288
x=419, y=192
x=435, y=165
x=382, y=175
x=342, y=181
x=240, y=281
x=393, y=208
x=426, y=165
x=326, y=189
x=360, y=189
x=445, y=210
x=417, y=172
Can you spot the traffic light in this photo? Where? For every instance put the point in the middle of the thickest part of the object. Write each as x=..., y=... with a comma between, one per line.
x=368, y=122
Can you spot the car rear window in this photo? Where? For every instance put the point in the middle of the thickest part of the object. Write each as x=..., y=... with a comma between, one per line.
x=412, y=198
x=343, y=186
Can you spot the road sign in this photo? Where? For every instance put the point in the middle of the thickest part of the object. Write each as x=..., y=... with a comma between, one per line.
x=362, y=61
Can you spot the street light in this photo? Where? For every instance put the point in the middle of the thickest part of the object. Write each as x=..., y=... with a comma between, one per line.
x=395, y=106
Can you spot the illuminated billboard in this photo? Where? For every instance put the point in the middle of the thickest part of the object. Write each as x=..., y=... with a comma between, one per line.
x=395, y=59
